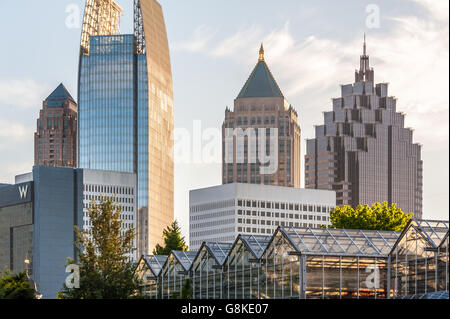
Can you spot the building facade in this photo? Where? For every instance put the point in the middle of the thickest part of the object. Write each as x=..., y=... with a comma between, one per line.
x=221, y=213
x=363, y=151
x=261, y=136
x=55, y=140
x=38, y=214
x=126, y=107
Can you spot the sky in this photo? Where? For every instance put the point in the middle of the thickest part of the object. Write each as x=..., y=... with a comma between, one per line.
x=312, y=47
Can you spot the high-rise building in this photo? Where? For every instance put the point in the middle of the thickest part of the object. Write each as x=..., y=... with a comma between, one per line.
x=363, y=151
x=38, y=214
x=126, y=107
x=261, y=136
x=55, y=140
x=221, y=213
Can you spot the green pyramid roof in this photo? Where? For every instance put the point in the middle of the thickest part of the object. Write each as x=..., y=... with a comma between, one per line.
x=58, y=96
x=261, y=82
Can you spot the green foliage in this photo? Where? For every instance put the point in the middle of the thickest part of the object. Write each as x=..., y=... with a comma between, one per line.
x=172, y=240
x=16, y=286
x=186, y=290
x=105, y=270
x=377, y=217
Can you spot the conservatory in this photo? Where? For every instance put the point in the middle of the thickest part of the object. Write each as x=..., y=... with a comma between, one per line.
x=306, y=263
x=419, y=261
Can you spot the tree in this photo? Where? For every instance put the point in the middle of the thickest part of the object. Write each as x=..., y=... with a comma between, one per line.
x=106, y=272
x=186, y=290
x=377, y=217
x=172, y=240
x=16, y=286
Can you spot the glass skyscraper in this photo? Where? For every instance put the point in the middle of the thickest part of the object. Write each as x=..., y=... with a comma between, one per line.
x=363, y=150
x=126, y=107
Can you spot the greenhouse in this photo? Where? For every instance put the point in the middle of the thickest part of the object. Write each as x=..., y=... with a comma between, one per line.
x=306, y=263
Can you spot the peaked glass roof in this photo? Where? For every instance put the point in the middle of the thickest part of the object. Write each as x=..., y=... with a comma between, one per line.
x=219, y=250
x=434, y=230
x=257, y=243
x=155, y=262
x=185, y=258
x=261, y=83
x=341, y=241
x=58, y=96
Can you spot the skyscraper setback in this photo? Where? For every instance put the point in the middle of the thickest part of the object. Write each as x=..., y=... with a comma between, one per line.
x=126, y=107
x=363, y=151
x=270, y=124
x=55, y=140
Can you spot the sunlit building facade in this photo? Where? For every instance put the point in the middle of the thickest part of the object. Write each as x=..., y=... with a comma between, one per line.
x=55, y=140
x=261, y=136
x=126, y=107
x=363, y=150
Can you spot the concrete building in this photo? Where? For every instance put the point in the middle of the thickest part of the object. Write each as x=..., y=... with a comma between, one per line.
x=261, y=137
x=38, y=214
x=363, y=150
x=126, y=107
x=221, y=213
x=55, y=140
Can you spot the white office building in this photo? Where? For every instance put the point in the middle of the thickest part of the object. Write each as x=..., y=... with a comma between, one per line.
x=121, y=186
x=220, y=213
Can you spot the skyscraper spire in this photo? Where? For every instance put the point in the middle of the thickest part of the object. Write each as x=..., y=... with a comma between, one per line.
x=365, y=73
x=261, y=53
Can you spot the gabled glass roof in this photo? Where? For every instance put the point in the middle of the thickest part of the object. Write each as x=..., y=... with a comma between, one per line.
x=434, y=230
x=341, y=241
x=256, y=243
x=155, y=263
x=185, y=258
x=218, y=250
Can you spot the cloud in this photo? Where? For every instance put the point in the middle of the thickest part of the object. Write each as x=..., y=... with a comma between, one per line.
x=23, y=93
x=412, y=56
x=198, y=42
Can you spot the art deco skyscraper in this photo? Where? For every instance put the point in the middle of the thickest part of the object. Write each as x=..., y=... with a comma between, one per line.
x=363, y=151
x=55, y=140
x=126, y=107
x=261, y=106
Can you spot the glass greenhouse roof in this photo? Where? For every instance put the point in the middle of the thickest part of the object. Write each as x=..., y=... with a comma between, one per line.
x=218, y=250
x=341, y=241
x=256, y=243
x=434, y=230
x=155, y=263
x=185, y=258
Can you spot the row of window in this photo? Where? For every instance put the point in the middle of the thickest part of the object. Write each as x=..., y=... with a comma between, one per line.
x=284, y=206
x=118, y=190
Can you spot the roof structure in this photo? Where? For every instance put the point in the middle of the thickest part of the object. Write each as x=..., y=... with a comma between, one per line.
x=325, y=241
x=434, y=230
x=185, y=258
x=155, y=263
x=218, y=250
x=261, y=82
x=58, y=96
x=257, y=244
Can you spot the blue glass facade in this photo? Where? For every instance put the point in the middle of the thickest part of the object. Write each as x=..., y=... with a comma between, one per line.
x=107, y=95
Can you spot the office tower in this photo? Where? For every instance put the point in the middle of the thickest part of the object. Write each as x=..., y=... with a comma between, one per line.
x=363, y=151
x=221, y=213
x=261, y=136
x=38, y=214
x=55, y=140
x=126, y=107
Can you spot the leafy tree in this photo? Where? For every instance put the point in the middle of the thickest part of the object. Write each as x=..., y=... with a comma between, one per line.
x=16, y=286
x=172, y=239
x=106, y=272
x=377, y=217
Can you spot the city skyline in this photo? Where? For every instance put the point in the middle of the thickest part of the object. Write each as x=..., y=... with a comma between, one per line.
x=216, y=50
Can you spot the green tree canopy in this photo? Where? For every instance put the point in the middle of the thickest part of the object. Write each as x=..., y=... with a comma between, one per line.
x=106, y=271
x=377, y=217
x=16, y=286
x=172, y=240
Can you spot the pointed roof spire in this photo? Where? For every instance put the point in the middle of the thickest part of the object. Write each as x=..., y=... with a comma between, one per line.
x=261, y=53
x=364, y=44
x=58, y=96
x=261, y=82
